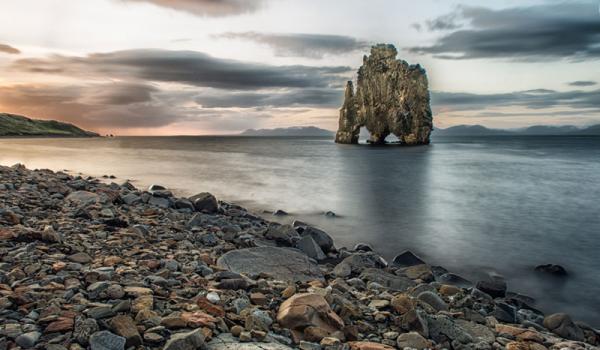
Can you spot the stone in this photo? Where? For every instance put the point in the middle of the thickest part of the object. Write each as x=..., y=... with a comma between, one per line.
x=495, y=288
x=226, y=341
x=454, y=280
x=521, y=345
x=363, y=247
x=478, y=332
x=356, y=263
x=28, y=340
x=258, y=320
x=388, y=280
x=433, y=300
x=105, y=340
x=449, y=290
x=413, y=340
x=402, y=303
x=186, y=341
x=443, y=325
x=407, y=259
x=82, y=197
x=322, y=238
x=367, y=345
x=205, y=202
x=285, y=234
x=552, y=270
x=519, y=333
x=391, y=97
x=81, y=258
x=258, y=298
x=562, y=325
x=421, y=272
x=83, y=329
x=124, y=326
x=308, y=310
x=281, y=263
x=309, y=247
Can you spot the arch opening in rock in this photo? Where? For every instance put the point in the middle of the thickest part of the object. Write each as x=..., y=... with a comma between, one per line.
x=391, y=98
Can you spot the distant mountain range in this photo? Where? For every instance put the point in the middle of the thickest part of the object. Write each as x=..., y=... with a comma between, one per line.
x=18, y=125
x=293, y=131
x=479, y=130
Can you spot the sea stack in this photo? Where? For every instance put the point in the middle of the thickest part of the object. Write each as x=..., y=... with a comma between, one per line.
x=392, y=97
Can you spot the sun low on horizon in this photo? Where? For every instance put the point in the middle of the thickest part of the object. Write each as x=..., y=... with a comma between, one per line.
x=153, y=67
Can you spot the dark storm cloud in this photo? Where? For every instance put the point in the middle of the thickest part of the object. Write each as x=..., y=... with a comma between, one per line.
x=531, y=99
x=582, y=83
x=4, y=48
x=112, y=105
x=212, y=8
x=187, y=67
x=289, y=98
x=556, y=30
x=302, y=45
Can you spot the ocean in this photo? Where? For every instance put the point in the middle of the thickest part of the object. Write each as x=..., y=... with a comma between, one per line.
x=475, y=205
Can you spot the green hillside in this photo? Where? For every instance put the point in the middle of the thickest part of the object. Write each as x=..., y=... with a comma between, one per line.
x=16, y=125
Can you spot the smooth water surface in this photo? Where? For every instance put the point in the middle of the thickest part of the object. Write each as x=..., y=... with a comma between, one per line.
x=473, y=205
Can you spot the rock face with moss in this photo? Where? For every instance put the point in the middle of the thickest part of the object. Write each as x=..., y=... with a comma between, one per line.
x=392, y=97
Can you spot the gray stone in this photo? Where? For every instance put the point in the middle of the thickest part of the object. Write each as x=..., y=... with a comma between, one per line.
x=357, y=262
x=496, y=288
x=160, y=202
x=406, y=259
x=131, y=199
x=84, y=328
x=443, y=325
x=226, y=341
x=433, y=300
x=388, y=280
x=309, y=247
x=478, y=332
x=28, y=340
x=412, y=340
x=284, y=234
x=391, y=97
x=82, y=197
x=259, y=320
x=186, y=341
x=562, y=325
x=322, y=238
x=281, y=263
x=105, y=340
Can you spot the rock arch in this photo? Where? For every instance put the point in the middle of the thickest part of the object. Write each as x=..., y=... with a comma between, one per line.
x=392, y=97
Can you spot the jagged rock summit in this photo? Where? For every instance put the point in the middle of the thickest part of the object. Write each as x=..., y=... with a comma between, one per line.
x=392, y=97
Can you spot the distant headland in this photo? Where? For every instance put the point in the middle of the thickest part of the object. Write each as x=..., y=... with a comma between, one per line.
x=18, y=125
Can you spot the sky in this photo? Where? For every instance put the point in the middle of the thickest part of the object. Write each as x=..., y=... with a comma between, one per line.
x=191, y=67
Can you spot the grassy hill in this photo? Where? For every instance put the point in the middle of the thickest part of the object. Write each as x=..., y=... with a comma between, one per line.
x=17, y=125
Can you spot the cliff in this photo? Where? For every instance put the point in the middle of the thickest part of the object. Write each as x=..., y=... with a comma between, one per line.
x=16, y=125
x=392, y=97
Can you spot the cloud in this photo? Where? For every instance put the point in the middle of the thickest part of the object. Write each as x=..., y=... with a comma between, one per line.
x=302, y=45
x=287, y=98
x=537, y=33
x=4, y=48
x=530, y=99
x=208, y=8
x=582, y=83
x=186, y=67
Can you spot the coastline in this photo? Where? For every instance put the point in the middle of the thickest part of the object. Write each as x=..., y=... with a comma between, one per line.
x=85, y=261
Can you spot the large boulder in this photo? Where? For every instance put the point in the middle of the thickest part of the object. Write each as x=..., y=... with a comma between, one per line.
x=562, y=325
x=205, y=202
x=392, y=97
x=303, y=313
x=281, y=263
x=356, y=263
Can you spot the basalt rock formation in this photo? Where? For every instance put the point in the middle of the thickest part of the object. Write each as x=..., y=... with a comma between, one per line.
x=392, y=97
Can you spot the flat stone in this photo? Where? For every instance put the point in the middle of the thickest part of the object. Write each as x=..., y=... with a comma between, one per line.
x=105, y=340
x=413, y=340
x=124, y=326
x=82, y=258
x=281, y=263
x=186, y=341
x=226, y=341
x=388, y=280
x=28, y=340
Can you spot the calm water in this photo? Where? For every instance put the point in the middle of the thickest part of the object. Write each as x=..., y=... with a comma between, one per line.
x=476, y=206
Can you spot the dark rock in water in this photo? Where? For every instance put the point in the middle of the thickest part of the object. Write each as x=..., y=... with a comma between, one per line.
x=280, y=212
x=330, y=214
x=406, y=259
x=392, y=97
x=322, y=238
x=496, y=288
x=182, y=203
x=205, y=202
x=562, y=325
x=505, y=312
x=454, y=279
x=551, y=269
x=281, y=263
x=155, y=187
x=309, y=247
x=363, y=247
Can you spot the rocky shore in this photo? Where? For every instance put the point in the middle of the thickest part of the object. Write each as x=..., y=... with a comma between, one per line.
x=90, y=265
